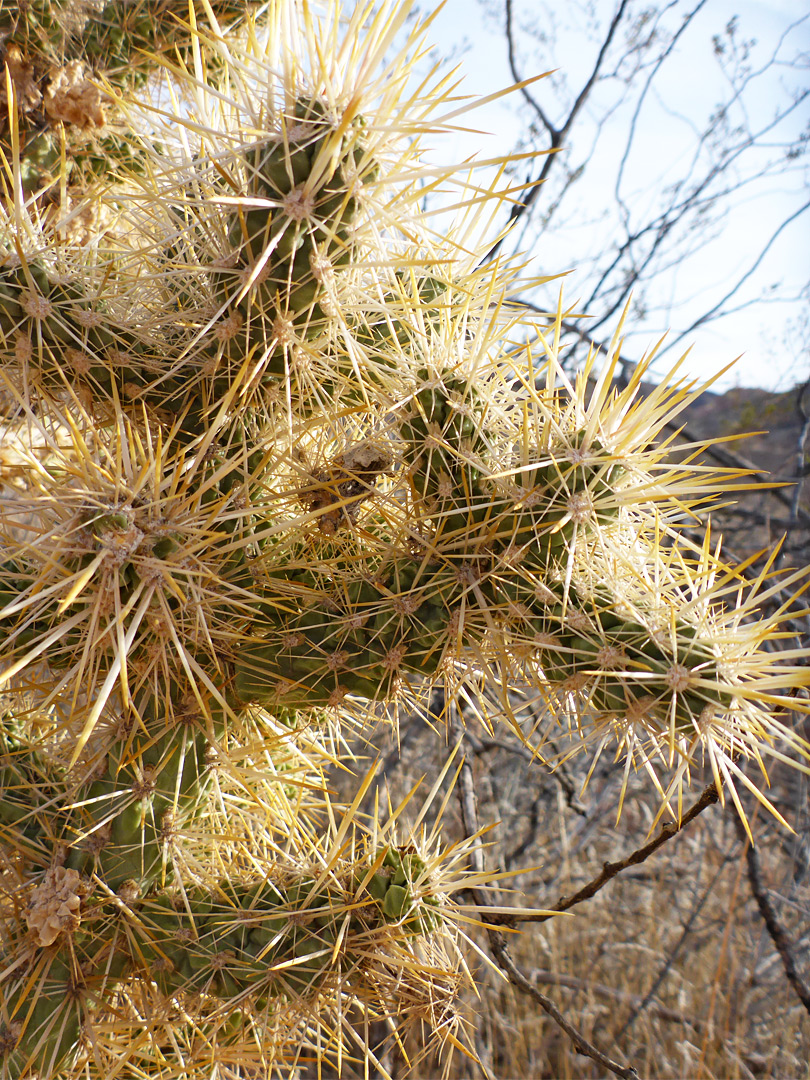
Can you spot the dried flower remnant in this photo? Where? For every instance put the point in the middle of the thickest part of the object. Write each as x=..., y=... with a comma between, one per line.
x=72, y=98
x=55, y=905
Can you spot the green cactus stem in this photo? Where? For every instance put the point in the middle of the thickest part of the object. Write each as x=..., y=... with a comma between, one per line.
x=253, y=943
x=55, y=59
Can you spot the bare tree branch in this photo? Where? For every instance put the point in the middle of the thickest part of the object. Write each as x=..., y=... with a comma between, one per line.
x=611, y=869
x=557, y=135
x=510, y=42
x=715, y=311
x=729, y=153
x=558, y=774
x=660, y=60
x=505, y=962
x=497, y=942
x=778, y=934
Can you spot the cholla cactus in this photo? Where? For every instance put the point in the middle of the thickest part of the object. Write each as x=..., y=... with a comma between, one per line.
x=279, y=453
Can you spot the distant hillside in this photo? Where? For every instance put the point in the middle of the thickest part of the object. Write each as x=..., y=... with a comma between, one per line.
x=759, y=518
x=774, y=417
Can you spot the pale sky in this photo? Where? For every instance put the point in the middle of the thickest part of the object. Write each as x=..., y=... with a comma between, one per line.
x=767, y=333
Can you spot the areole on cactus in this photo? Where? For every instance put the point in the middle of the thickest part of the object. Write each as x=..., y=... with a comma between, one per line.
x=285, y=454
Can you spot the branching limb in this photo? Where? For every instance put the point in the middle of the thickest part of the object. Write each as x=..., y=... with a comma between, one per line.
x=778, y=934
x=501, y=954
x=559, y=774
x=716, y=311
x=557, y=135
x=612, y=869
x=497, y=942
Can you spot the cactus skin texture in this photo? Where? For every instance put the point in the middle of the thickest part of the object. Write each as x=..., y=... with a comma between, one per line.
x=264, y=943
x=274, y=459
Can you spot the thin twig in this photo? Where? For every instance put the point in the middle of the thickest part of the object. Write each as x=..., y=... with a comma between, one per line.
x=559, y=774
x=511, y=857
x=778, y=934
x=497, y=942
x=610, y=870
x=557, y=135
x=505, y=962
x=571, y=982
x=713, y=311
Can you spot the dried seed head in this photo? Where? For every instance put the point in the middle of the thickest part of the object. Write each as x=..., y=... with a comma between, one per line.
x=73, y=98
x=55, y=905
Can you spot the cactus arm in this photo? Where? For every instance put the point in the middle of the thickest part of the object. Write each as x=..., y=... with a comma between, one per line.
x=56, y=55
x=248, y=943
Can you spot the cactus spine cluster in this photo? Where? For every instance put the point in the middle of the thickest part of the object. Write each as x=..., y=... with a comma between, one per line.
x=278, y=453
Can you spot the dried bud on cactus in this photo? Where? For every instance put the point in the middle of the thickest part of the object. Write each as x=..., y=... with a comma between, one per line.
x=55, y=904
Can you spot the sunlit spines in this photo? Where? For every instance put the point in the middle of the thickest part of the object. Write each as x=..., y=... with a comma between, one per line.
x=359, y=929
x=55, y=114
x=130, y=568
x=292, y=454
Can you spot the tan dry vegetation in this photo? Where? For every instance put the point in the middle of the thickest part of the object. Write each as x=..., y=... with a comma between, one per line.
x=668, y=968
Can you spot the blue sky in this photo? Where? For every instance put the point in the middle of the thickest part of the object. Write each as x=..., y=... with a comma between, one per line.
x=769, y=333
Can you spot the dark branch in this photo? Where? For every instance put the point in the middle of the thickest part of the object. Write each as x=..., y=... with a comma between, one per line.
x=510, y=42
x=557, y=135
x=778, y=934
x=505, y=962
x=497, y=943
x=802, y=447
x=559, y=774
x=716, y=311
x=611, y=870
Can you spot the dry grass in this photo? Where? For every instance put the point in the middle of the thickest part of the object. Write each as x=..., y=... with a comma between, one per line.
x=669, y=968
